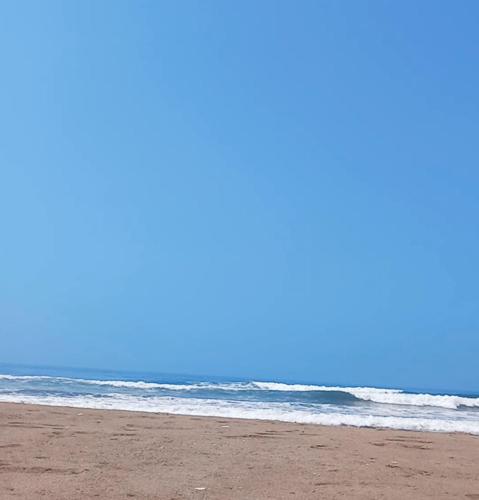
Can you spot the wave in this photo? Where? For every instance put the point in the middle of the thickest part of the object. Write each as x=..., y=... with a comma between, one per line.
x=112, y=383
x=248, y=410
x=26, y=377
x=384, y=396
x=372, y=394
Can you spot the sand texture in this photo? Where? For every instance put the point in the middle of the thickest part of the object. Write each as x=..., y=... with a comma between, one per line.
x=71, y=453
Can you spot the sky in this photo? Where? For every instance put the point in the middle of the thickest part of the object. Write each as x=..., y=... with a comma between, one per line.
x=279, y=190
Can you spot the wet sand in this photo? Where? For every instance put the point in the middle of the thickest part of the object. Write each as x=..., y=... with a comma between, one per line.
x=72, y=453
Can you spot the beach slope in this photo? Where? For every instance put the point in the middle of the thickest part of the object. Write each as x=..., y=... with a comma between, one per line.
x=72, y=453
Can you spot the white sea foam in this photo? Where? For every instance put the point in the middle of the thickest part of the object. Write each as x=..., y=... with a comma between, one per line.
x=401, y=398
x=138, y=385
x=377, y=395
x=26, y=377
x=112, y=383
x=373, y=394
x=278, y=386
x=249, y=410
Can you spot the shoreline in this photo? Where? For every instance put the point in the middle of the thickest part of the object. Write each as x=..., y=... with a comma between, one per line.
x=241, y=419
x=62, y=452
x=358, y=407
x=184, y=407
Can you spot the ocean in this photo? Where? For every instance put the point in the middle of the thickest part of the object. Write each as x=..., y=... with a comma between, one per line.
x=392, y=408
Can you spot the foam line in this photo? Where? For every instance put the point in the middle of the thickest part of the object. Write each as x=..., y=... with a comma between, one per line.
x=248, y=410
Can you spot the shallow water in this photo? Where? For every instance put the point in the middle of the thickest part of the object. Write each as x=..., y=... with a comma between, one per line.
x=215, y=396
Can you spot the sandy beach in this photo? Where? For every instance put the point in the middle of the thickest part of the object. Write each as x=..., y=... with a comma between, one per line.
x=72, y=453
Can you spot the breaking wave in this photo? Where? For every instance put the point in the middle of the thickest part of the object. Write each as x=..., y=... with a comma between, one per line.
x=384, y=396
x=372, y=394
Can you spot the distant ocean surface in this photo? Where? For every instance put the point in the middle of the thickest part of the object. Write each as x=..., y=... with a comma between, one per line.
x=252, y=399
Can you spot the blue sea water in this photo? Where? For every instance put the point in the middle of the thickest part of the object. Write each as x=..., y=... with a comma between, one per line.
x=254, y=399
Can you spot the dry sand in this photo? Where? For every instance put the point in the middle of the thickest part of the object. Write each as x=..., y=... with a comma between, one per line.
x=71, y=453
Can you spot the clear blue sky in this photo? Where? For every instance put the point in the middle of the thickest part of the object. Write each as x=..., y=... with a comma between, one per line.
x=275, y=189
